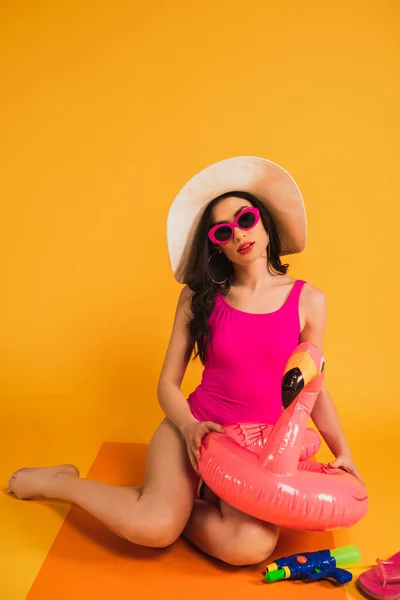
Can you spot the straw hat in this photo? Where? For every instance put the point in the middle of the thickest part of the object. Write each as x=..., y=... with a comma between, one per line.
x=268, y=182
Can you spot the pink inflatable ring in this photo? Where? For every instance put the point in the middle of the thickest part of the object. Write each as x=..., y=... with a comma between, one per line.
x=266, y=472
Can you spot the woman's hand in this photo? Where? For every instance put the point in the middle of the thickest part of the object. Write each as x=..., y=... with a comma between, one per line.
x=345, y=462
x=193, y=433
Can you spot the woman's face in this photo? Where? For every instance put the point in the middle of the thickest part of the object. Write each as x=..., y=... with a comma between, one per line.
x=245, y=245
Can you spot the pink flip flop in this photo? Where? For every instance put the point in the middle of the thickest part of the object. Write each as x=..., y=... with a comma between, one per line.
x=382, y=582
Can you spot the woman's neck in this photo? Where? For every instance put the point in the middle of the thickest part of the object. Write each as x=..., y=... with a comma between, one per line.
x=253, y=276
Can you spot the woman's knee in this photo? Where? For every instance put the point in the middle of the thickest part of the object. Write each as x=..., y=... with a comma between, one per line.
x=156, y=522
x=250, y=543
x=153, y=531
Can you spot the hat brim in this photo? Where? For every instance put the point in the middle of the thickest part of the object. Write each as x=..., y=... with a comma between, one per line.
x=268, y=182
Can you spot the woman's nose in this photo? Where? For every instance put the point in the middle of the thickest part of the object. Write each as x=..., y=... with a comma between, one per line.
x=239, y=234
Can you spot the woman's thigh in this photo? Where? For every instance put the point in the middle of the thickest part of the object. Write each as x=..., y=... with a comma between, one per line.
x=254, y=540
x=244, y=531
x=170, y=483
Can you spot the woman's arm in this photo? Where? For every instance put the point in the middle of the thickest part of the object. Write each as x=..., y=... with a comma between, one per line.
x=170, y=396
x=324, y=413
x=327, y=421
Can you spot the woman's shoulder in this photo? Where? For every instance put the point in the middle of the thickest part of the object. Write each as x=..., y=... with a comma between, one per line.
x=186, y=294
x=310, y=290
x=312, y=297
x=185, y=301
x=291, y=284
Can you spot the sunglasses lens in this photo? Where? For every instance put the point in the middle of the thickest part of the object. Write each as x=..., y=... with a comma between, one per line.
x=223, y=233
x=246, y=220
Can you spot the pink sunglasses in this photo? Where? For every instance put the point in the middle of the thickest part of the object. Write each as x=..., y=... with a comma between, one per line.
x=246, y=219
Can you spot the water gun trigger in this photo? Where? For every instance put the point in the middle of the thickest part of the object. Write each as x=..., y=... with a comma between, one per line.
x=341, y=576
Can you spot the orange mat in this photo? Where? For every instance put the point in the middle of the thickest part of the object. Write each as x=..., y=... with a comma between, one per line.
x=87, y=560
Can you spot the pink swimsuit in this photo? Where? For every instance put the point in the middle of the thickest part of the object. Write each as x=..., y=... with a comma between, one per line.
x=245, y=362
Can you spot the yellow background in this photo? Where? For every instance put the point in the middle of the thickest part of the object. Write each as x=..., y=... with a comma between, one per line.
x=107, y=109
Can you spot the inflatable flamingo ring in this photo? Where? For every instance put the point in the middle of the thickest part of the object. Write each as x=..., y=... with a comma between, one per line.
x=266, y=472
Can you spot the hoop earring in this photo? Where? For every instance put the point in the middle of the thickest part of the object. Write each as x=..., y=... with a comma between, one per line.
x=213, y=280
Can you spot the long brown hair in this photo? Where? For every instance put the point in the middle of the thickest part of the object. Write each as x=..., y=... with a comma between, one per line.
x=199, y=271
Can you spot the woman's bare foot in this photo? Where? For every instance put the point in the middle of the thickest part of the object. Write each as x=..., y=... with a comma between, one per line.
x=29, y=482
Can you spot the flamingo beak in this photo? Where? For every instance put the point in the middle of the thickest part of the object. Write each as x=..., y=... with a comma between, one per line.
x=299, y=371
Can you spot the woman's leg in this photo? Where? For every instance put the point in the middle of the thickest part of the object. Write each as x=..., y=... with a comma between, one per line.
x=154, y=515
x=228, y=534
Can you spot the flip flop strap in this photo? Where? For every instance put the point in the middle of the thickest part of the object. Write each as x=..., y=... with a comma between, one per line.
x=388, y=577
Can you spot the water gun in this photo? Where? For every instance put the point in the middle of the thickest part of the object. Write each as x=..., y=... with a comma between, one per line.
x=312, y=566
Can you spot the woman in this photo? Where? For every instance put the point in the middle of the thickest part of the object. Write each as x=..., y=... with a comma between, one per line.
x=242, y=316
